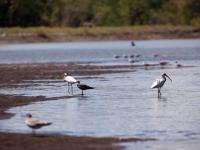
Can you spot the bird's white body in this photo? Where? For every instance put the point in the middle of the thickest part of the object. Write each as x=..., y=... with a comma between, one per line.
x=35, y=123
x=158, y=83
x=70, y=79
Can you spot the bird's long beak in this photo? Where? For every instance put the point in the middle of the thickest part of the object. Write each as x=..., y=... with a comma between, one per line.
x=169, y=78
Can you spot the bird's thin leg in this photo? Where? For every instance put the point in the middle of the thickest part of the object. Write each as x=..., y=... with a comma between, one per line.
x=68, y=84
x=158, y=92
x=72, y=89
x=82, y=92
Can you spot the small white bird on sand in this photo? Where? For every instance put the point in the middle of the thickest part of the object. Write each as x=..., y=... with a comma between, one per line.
x=35, y=123
x=70, y=80
x=159, y=83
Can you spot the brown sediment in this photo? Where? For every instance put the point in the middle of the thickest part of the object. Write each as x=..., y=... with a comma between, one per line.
x=8, y=101
x=52, y=142
x=163, y=63
x=179, y=66
x=16, y=73
x=16, y=141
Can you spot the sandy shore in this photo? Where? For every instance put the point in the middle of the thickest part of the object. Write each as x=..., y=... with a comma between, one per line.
x=12, y=74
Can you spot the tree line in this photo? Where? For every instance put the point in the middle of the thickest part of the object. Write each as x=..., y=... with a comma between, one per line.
x=75, y=13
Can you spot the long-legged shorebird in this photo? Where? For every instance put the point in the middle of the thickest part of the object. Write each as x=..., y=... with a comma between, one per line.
x=83, y=87
x=160, y=82
x=35, y=123
x=70, y=80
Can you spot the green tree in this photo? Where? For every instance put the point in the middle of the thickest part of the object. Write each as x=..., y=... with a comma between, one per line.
x=101, y=12
x=172, y=12
x=106, y=12
x=73, y=12
x=4, y=12
x=26, y=12
x=193, y=9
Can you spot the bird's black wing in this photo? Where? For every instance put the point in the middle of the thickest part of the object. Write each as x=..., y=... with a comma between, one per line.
x=84, y=86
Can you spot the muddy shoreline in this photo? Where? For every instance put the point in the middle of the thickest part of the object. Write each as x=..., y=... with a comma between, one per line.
x=8, y=101
x=12, y=74
x=16, y=141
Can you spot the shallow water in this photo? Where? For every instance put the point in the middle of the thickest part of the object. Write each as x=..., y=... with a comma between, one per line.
x=100, y=52
x=121, y=105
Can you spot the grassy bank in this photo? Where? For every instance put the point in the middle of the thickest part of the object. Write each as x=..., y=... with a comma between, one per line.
x=57, y=34
x=95, y=30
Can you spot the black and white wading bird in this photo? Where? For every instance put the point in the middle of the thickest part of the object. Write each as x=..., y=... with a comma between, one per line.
x=70, y=81
x=160, y=82
x=83, y=87
x=35, y=123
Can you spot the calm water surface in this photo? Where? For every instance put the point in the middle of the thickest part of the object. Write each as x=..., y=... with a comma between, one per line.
x=99, y=52
x=123, y=104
